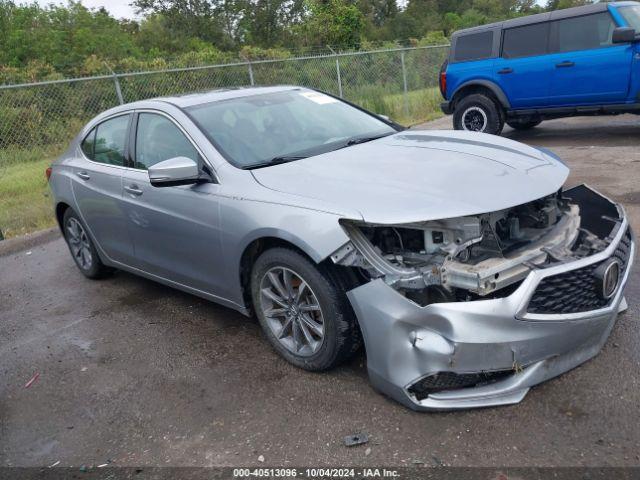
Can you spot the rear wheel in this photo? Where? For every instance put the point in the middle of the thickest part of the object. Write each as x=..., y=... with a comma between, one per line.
x=81, y=246
x=303, y=309
x=523, y=125
x=478, y=113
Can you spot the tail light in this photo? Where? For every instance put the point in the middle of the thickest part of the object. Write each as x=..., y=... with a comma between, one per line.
x=443, y=80
x=47, y=173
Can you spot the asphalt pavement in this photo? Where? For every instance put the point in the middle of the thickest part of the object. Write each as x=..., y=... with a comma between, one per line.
x=131, y=373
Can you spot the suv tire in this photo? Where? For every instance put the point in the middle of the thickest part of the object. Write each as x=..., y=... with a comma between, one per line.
x=526, y=125
x=312, y=339
x=478, y=113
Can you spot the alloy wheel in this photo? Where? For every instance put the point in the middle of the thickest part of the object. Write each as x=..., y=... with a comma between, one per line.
x=79, y=244
x=474, y=119
x=292, y=311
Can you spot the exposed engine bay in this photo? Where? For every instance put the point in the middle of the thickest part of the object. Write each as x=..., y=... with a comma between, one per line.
x=478, y=256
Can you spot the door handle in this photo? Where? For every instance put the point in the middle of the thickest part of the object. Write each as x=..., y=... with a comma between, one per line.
x=564, y=64
x=505, y=71
x=133, y=190
x=83, y=175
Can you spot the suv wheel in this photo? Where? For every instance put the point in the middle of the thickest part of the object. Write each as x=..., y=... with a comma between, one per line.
x=81, y=246
x=303, y=309
x=478, y=113
x=523, y=125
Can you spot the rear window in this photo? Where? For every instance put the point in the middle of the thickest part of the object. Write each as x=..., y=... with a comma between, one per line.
x=582, y=33
x=474, y=46
x=525, y=41
x=106, y=142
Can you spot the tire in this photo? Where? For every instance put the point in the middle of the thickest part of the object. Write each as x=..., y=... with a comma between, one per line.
x=526, y=125
x=341, y=336
x=81, y=246
x=478, y=113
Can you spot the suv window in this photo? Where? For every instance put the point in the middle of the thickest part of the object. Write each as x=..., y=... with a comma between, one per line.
x=159, y=139
x=582, y=33
x=526, y=41
x=106, y=143
x=474, y=46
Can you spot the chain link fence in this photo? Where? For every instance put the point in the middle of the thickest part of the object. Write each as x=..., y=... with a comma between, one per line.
x=401, y=83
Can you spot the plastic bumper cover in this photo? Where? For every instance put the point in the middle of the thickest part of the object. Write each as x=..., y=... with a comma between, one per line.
x=406, y=342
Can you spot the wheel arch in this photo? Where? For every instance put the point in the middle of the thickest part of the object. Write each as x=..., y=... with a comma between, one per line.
x=255, y=247
x=481, y=86
x=61, y=208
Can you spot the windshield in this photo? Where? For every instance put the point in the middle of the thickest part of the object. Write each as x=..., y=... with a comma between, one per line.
x=271, y=128
x=631, y=14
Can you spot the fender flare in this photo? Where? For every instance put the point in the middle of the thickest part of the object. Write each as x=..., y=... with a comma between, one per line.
x=495, y=89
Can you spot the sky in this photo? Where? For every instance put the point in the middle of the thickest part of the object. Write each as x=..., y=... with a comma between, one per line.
x=117, y=8
x=121, y=8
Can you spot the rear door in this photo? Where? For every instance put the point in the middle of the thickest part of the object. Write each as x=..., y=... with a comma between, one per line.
x=97, y=186
x=523, y=70
x=174, y=229
x=587, y=67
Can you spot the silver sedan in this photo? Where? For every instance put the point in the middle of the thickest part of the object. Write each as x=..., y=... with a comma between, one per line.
x=457, y=258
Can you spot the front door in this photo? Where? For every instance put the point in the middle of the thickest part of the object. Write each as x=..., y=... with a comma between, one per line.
x=174, y=229
x=587, y=67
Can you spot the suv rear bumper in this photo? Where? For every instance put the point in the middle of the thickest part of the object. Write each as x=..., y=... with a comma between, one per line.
x=446, y=108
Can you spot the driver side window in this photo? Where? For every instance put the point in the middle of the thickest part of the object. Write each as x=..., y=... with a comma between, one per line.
x=159, y=139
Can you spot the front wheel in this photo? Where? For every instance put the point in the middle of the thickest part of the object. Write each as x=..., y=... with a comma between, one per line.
x=303, y=309
x=478, y=113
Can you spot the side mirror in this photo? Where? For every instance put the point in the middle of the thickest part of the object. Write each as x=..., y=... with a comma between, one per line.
x=175, y=171
x=624, y=35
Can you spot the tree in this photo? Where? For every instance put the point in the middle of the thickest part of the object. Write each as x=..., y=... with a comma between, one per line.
x=331, y=22
x=188, y=18
x=560, y=4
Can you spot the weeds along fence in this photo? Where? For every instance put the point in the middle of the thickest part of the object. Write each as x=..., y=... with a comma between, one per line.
x=400, y=82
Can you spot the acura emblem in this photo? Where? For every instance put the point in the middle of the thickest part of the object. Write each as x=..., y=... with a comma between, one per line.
x=607, y=276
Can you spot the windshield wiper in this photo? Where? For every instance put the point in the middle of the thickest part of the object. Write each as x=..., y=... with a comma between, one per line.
x=359, y=140
x=274, y=161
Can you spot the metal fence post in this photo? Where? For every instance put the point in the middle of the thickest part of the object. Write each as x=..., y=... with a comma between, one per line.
x=404, y=84
x=251, y=81
x=118, y=90
x=339, y=77
x=116, y=82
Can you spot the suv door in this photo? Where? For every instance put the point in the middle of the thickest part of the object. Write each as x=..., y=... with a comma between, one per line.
x=522, y=71
x=587, y=67
x=97, y=186
x=174, y=229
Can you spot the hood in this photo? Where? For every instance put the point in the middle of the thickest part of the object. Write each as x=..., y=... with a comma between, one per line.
x=415, y=176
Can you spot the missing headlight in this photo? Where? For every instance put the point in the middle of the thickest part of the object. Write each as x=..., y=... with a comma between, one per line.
x=478, y=256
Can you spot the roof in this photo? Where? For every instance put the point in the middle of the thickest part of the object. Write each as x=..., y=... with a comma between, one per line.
x=199, y=98
x=544, y=17
x=190, y=99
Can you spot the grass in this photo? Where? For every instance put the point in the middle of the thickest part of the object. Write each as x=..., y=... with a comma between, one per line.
x=25, y=201
x=421, y=105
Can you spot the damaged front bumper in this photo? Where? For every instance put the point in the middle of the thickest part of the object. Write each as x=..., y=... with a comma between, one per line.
x=482, y=353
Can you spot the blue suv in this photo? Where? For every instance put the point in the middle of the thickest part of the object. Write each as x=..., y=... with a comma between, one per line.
x=578, y=61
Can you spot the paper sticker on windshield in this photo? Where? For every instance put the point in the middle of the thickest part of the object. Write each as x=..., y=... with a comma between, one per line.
x=319, y=98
